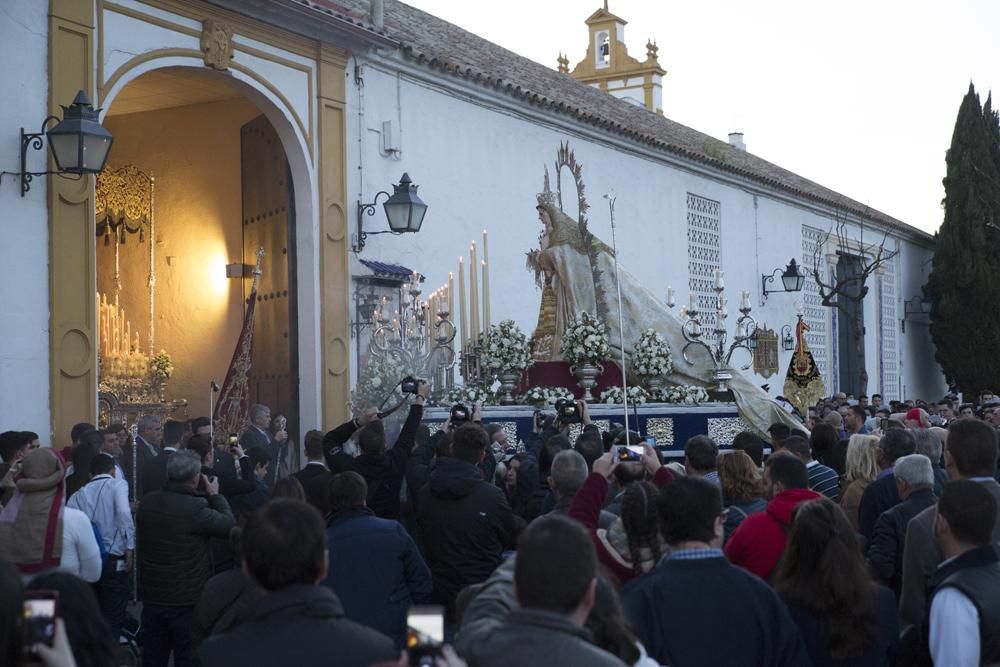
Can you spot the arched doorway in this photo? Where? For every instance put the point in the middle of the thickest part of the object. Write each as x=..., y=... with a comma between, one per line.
x=226, y=183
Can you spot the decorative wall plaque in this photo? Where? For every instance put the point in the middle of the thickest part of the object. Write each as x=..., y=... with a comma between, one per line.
x=217, y=44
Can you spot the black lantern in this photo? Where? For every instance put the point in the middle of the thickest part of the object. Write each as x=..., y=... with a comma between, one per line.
x=79, y=143
x=404, y=210
x=791, y=279
x=787, y=341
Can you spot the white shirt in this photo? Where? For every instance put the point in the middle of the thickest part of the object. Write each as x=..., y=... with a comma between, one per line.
x=954, y=639
x=105, y=502
x=80, y=554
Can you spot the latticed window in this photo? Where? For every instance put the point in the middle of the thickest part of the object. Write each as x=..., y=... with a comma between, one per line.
x=704, y=253
x=814, y=312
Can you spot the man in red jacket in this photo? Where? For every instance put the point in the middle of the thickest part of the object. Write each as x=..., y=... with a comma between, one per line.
x=758, y=542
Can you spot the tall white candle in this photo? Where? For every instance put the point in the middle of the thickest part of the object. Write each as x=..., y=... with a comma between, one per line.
x=670, y=296
x=474, y=292
x=486, y=295
x=464, y=325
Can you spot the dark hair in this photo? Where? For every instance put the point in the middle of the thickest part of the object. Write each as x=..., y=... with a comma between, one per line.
x=173, y=431
x=556, y=564
x=876, y=395
x=468, y=442
x=89, y=446
x=422, y=436
x=555, y=444
x=897, y=442
x=701, y=452
x=197, y=423
x=823, y=571
x=823, y=440
x=11, y=614
x=970, y=511
x=641, y=522
x=688, y=508
x=200, y=445
x=628, y=473
x=858, y=411
x=442, y=445
x=288, y=487
x=93, y=643
x=348, y=491
x=313, y=444
x=607, y=624
x=11, y=442
x=102, y=464
x=778, y=431
x=258, y=456
x=590, y=445
x=78, y=430
x=371, y=440
x=972, y=445
x=787, y=469
x=284, y=543
x=748, y=442
x=793, y=444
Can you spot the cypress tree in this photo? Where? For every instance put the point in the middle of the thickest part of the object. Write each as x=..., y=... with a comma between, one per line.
x=964, y=283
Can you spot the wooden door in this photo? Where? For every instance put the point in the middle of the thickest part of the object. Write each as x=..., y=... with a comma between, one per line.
x=269, y=223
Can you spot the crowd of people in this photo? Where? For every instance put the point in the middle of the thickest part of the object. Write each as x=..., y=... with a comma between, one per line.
x=868, y=537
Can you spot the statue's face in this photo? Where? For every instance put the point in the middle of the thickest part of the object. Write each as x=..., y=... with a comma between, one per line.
x=543, y=215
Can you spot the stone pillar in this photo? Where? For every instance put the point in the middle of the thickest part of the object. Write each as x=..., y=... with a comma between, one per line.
x=72, y=251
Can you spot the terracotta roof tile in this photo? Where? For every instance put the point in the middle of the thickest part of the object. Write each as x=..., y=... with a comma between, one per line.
x=437, y=44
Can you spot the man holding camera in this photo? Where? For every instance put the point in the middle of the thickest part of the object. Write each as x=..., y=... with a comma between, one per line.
x=382, y=469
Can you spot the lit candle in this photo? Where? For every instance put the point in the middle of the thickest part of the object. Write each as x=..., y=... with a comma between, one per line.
x=692, y=303
x=474, y=293
x=464, y=325
x=684, y=312
x=670, y=296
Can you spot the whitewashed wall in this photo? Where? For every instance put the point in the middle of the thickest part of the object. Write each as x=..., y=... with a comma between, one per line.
x=24, y=255
x=479, y=162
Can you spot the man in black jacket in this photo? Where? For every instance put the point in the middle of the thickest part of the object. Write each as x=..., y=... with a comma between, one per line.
x=882, y=494
x=915, y=484
x=314, y=476
x=298, y=622
x=382, y=469
x=465, y=522
x=173, y=533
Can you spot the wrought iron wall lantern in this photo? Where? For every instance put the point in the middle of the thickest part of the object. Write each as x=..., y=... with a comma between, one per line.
x=918, y=305
x=791, y=279
x=787, y=340
x=404, y=210
x=79, y=143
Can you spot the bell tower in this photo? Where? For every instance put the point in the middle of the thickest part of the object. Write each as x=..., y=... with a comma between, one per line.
x=608, y=65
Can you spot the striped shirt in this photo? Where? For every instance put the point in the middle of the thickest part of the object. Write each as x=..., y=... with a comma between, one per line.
x=697, y=553
x=824, y=480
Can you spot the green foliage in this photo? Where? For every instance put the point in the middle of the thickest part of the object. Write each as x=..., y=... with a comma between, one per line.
x=964, y=283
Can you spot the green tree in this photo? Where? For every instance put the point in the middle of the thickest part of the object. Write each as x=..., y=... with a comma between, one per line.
x=964, y=283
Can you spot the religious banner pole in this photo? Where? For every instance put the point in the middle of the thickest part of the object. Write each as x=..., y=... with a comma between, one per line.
x=621, y=318
x=233, y=406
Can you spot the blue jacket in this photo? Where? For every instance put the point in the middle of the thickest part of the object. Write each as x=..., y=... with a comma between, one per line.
x=376, y=571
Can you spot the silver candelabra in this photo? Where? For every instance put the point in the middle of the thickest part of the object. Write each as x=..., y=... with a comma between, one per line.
x=745, y=336
x=420, y=341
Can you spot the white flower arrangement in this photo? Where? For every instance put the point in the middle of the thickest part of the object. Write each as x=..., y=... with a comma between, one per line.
x=505, y=347
x=471, y=394
x=636, y=395
x=651, y=357
x=690, y=394
x=544, y=395
x=585, y=340
x=377, y=381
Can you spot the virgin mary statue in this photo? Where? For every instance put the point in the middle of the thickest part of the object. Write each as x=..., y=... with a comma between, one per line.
x=576, y=272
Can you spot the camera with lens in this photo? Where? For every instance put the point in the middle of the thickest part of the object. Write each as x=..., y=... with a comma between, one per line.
x=568, y=411
x=409, y=385
x=459, y=415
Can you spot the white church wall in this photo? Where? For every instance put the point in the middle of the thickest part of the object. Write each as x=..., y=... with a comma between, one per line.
x=24, y=255
x=480, y=164
x=922, y=376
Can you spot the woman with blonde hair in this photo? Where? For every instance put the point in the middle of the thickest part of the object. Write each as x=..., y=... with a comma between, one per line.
x=742, y=488
x=860, y=469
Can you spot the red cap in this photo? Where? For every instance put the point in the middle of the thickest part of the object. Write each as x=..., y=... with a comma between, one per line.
x=913, y=414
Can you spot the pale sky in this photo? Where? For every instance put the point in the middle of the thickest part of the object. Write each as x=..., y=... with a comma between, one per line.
x=858, y=95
